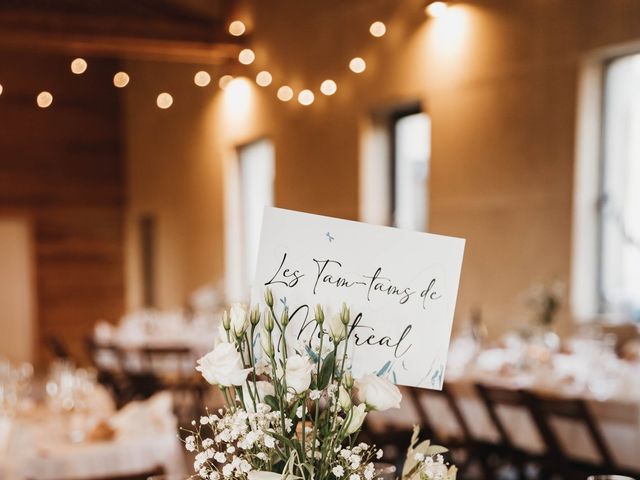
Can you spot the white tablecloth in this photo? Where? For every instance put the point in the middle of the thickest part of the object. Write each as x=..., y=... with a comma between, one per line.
x=39, y=448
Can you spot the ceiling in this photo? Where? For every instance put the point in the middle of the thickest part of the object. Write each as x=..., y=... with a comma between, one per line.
x=158, y=29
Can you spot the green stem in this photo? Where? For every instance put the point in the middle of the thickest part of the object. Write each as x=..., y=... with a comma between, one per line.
x=317, y=402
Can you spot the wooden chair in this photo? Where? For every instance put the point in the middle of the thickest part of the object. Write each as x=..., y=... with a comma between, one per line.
x=494, y=397
x=467, y=450
x=545, y=408
x=174, y=369
x=110, y=376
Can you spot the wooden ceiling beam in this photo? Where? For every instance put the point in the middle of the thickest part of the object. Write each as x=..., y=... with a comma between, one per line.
x=121, y=36
x=120, y=47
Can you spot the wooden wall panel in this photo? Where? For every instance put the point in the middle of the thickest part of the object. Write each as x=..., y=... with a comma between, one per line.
x=63, y=166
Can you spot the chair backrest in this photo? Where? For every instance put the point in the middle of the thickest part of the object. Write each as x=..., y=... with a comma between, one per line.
x=57, y=348
x=416, y=394
x=547, y=407
x=130, y=476
x=167, y=359
x=493, y=397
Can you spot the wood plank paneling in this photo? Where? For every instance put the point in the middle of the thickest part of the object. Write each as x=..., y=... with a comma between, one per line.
x=64, y=166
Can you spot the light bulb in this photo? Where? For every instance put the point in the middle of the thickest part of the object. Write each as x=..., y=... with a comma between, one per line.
x=246, y=56
x=328, y=87
x=285, y=93
x=263, y=78
x=436, y=9
x=1, y=89
x=237, y=28
x=377, y=29
x=224, y=81
x=357, y=65
x=79, y=66
x=164, y=100
x=121, y=79
x=202, y=79
x=306, y=97
x=44, y=99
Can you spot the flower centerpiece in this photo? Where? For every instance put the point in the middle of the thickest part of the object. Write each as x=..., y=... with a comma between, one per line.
x=293, y=409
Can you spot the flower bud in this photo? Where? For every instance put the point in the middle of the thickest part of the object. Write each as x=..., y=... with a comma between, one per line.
x=254, y=317
x=226, y=321
x=355, y=418
x=348, y=380
x=284, y=318
x=268, y=321
x=266, y=343
x=337, y=330
x=268, y=297
x=345, y=314
x=319, y=314
x=344, y=399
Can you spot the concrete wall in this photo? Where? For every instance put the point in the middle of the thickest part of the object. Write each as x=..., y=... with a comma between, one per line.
x=499, y=79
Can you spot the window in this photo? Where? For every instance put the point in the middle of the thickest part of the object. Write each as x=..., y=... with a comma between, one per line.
x=257, y=172
x=394, y=168
x=411, y=149
x=619, y=201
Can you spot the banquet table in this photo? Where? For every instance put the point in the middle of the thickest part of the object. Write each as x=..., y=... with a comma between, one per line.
x=617, y=413
x=38, y=446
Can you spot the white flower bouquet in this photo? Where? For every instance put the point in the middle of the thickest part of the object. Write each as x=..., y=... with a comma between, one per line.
x=293, y=410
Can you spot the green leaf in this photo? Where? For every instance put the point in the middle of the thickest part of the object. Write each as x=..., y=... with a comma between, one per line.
x=272, y=402
x=384, y=368
x=313, y=355
x=328, y=365
x=435, y=450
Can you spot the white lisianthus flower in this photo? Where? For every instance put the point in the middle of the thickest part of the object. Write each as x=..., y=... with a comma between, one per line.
x=263, y=475
x=355, y=418
x=223, y=366
x=298, y=373
x=337, y=329
x=239, y=319
x=378, y=393
x=264, y=388
x=337, y=471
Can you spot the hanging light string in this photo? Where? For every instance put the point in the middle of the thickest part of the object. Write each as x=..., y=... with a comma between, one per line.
x=246, y=57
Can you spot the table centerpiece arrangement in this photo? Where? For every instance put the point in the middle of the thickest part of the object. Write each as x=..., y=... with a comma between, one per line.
x=293, y=409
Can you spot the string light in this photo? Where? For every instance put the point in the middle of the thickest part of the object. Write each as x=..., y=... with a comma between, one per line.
x=79, y=66
x=44, y=99
x=357, y=65
x=263, y=78
x=224, y=81
x=306, y=97
x=121, y=79
x=237, y=28
x=377, y=29
x=328, y=87
x=246, y=56
x=1, y=89
x=285, y=93
x=164, y=100
x=436, y=9
x=202, y=79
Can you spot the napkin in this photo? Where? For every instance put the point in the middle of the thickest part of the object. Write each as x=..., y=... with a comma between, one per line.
x=154, y=415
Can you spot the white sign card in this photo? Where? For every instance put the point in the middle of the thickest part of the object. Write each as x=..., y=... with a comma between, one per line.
x=401, y=287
